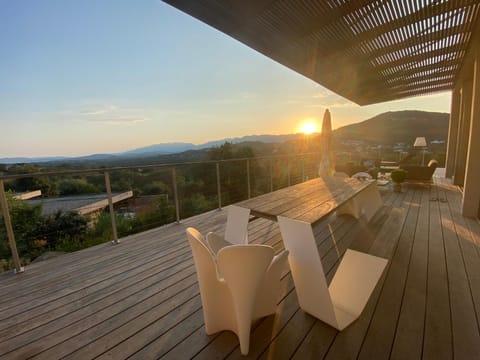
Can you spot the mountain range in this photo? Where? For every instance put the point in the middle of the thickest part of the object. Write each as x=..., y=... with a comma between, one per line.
x=386, y=128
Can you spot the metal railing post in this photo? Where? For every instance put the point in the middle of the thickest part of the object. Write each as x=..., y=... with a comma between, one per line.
x=303, y=169
x=271, y=175
x=219, y=190
x=110, y=206
x=249, y=190
x=9, y=229
x=175, y=194
x=288, y=172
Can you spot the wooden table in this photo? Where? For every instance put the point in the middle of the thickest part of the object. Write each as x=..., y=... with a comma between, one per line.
x=310, y=201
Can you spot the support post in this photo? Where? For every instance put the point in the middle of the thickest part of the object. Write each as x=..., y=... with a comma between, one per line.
x=110, y=206
x=463, y=134
x=249, y=190
x=175, y=195
x=8, y=227
x=219, y=190
x=471, y=190
x=453, y=132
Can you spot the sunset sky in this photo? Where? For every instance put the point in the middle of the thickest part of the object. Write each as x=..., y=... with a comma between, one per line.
x=84, y=77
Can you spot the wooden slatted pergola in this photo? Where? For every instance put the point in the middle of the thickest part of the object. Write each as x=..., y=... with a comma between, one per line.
x=371, y=51
x=368, y=51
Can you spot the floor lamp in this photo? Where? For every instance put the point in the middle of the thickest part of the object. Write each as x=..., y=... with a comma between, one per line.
x=421, y=142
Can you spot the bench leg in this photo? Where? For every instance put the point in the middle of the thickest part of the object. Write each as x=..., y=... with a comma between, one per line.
x=365, y=204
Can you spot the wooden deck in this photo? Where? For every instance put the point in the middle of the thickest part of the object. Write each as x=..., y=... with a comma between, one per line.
x=140, y=299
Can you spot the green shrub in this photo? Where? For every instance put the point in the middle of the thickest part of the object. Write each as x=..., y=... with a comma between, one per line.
x=399, y=175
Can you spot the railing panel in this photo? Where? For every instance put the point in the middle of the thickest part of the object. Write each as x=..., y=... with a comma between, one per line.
x=197, y=189
x=233, y=181
x=121, y=201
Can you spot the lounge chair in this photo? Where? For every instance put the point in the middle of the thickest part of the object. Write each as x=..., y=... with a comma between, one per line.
x=420, y=173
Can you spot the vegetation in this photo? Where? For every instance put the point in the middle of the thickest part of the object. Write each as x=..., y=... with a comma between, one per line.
x=68, y=231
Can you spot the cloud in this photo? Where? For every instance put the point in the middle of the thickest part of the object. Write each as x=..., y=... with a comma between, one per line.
x=119, y=120
x=321, y=95
x=342, y=105
x=242, y=97
x=111, y=114
x=99, y=110
x=332, y=103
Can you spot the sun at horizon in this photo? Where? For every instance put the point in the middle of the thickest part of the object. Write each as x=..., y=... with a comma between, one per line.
x=308, y=127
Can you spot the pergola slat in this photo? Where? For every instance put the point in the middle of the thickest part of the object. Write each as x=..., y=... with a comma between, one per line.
x=364, y=50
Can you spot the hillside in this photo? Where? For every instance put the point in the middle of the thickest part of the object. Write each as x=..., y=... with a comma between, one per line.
x=399, y=126
x=387, y=128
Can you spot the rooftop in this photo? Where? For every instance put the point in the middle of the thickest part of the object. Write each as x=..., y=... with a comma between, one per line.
x=140, y=298
x=83, y=204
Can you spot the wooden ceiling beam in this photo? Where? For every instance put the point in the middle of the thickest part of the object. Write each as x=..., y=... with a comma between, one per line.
x=428, y=12
x=405, y=74
x=420, y=41
x=419, y=58
x=420, y=78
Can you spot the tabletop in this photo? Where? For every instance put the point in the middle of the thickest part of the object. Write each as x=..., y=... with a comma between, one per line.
x=309, y=201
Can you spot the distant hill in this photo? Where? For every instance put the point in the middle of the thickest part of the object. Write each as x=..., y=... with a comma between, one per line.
x=173, y=148
x=387, y=128
x=398, y=126
x=163, y=151
x=25, y=160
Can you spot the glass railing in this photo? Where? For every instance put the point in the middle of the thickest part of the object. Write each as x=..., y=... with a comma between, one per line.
x=82, y=208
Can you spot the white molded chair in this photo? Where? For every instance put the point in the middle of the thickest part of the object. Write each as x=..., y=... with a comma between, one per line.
x=236, y=231
x=344, y=300
x=365, y=204
x=247, y=289
x=362, y=176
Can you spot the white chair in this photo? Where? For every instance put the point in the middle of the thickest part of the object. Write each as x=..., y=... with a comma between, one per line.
x=366, y=204
x=344, y=300
x=362, y=176
x=236, y=231
x=241, y=286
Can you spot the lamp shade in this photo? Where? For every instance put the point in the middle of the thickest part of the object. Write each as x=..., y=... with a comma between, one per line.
x=420, y=142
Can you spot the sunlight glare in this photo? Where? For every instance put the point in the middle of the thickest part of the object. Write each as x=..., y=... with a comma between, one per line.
x=308, y=128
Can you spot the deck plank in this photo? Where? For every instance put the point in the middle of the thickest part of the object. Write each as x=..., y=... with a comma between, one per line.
x=140, y=298
x=466, y=337
x=381, y=332
x=438, y=332
x=348, y=343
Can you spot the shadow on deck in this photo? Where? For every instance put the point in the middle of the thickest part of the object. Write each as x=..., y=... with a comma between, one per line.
x=140, y=299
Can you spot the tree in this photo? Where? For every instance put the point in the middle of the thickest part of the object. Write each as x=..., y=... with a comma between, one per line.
x=25, y=218
x=76, y=187
x=60, y=226
x=222, y=152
